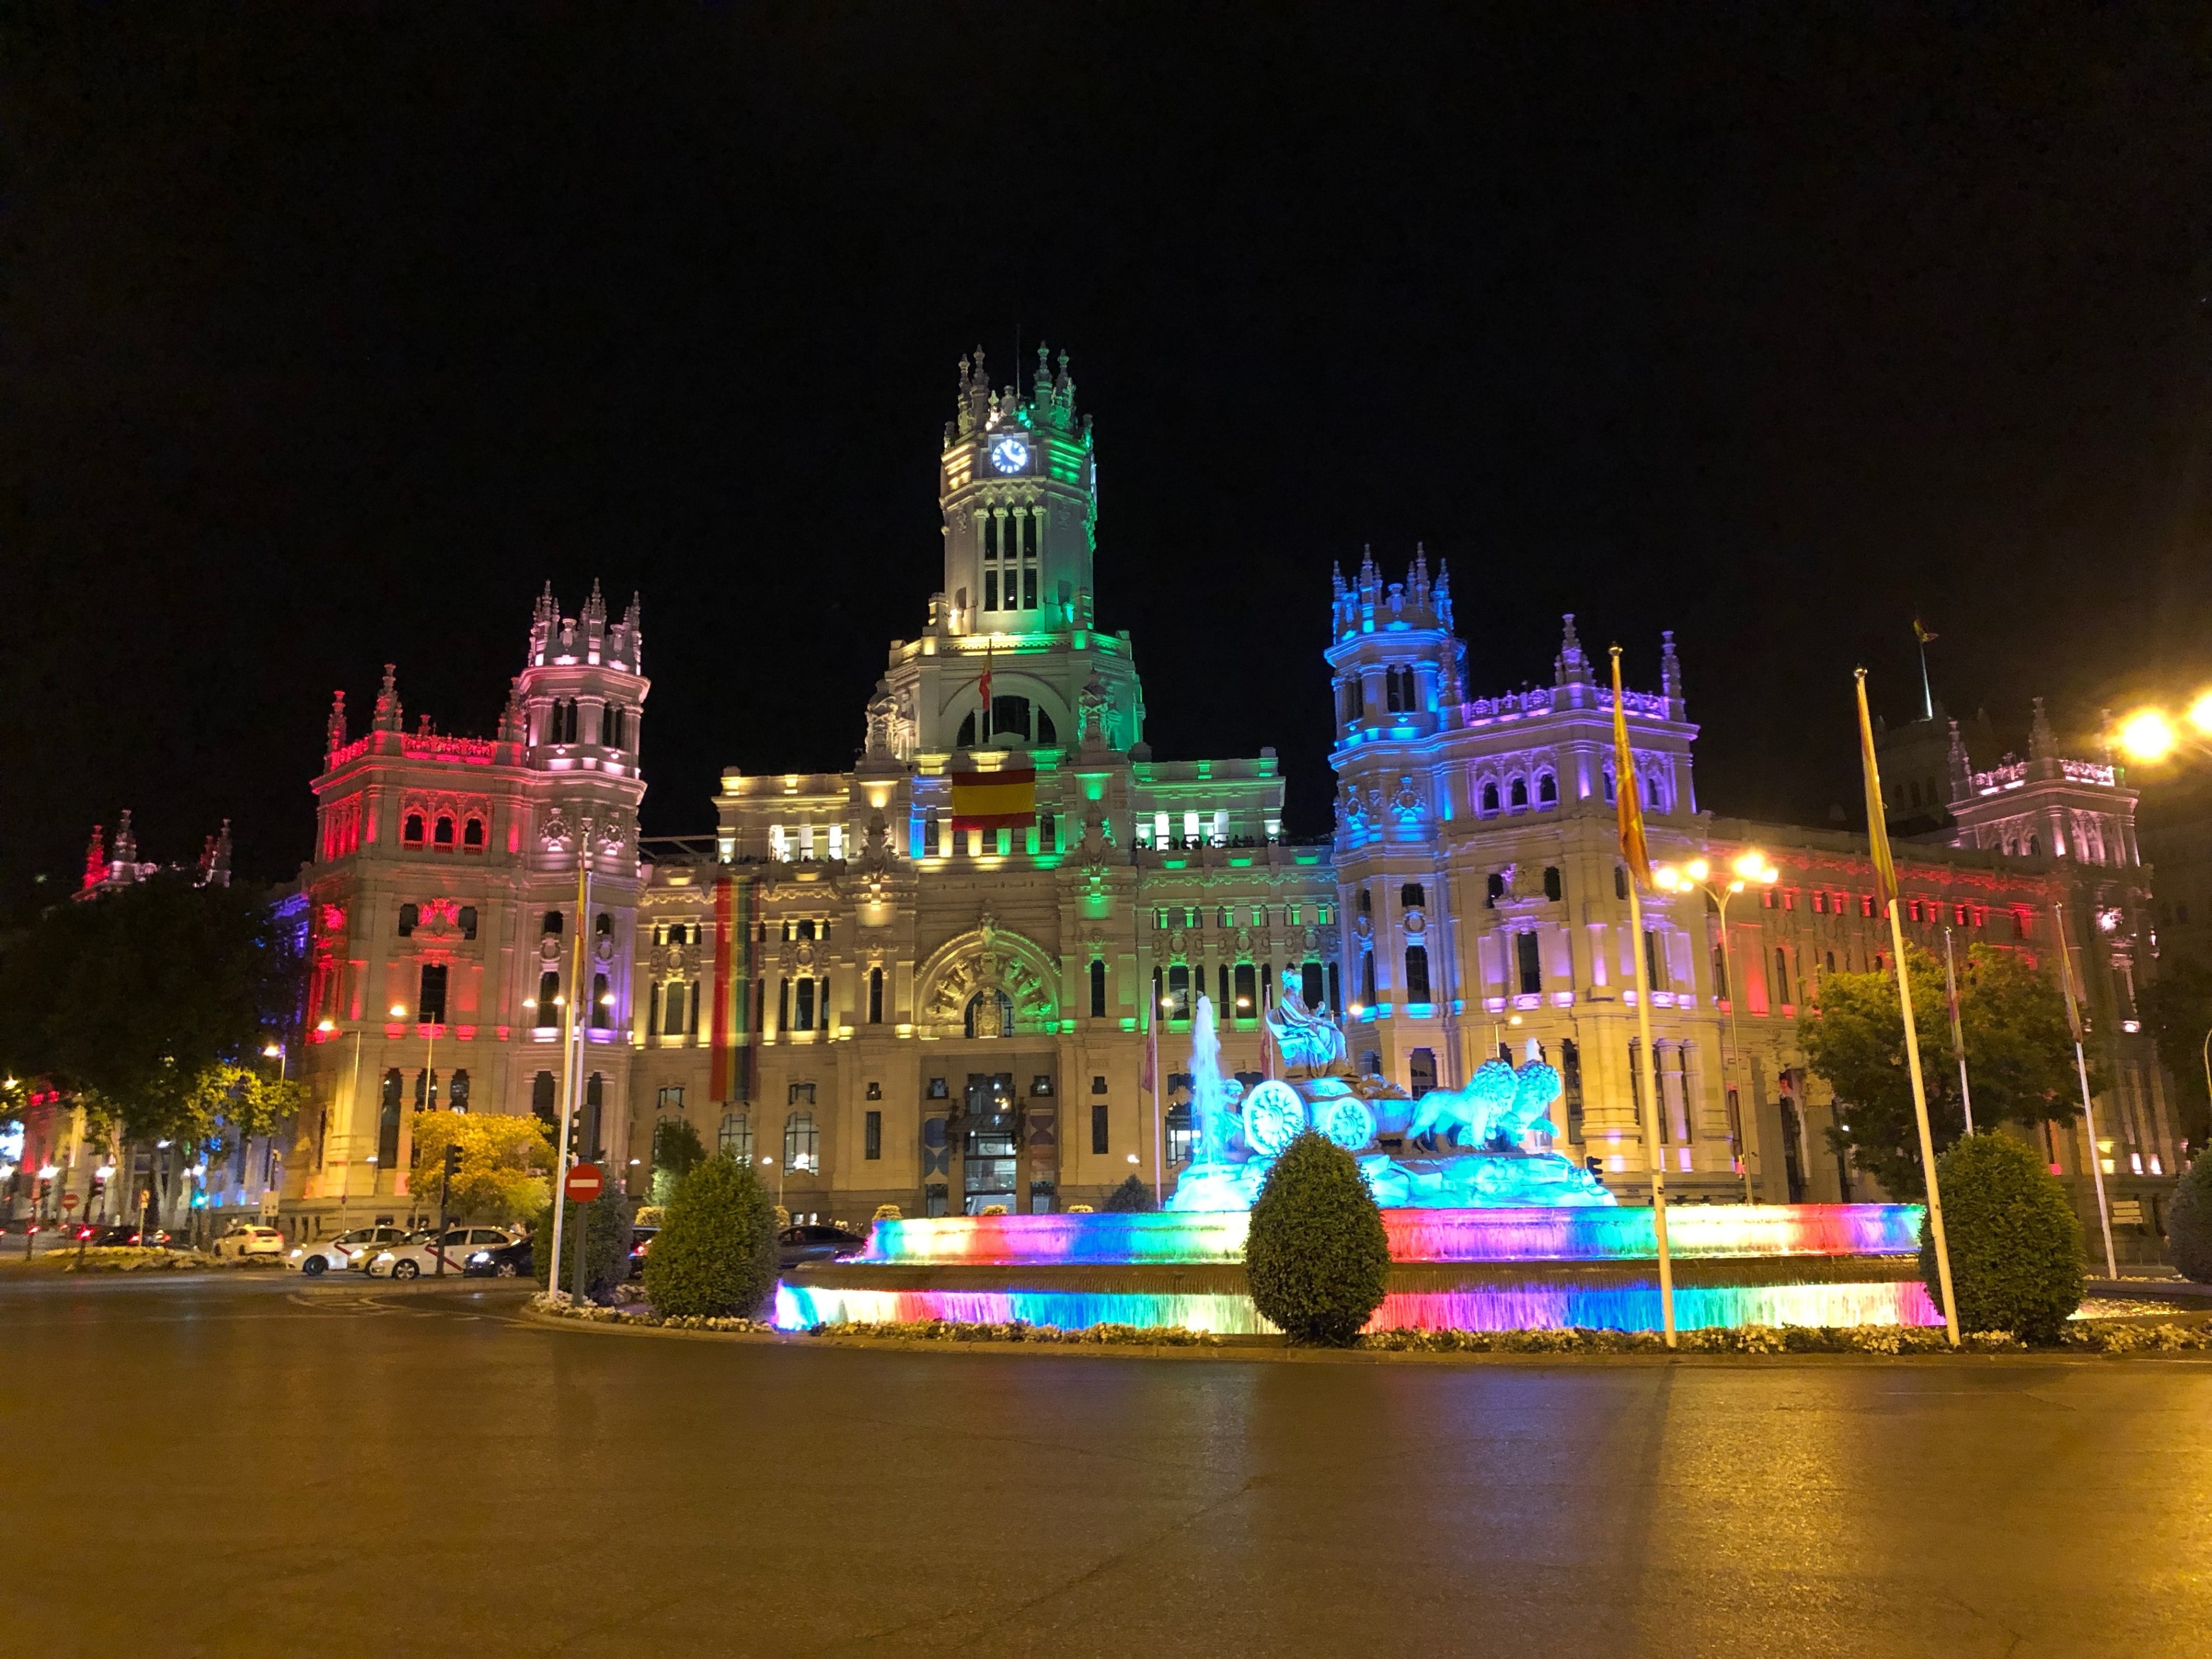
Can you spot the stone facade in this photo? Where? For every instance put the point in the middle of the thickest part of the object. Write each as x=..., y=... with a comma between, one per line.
x=878, y=1001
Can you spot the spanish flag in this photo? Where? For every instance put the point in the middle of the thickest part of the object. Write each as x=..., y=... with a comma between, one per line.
x=1629, y=809
x=1885, y=871
x=1003, y=800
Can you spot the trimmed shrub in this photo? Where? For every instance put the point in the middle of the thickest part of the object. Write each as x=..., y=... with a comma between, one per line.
x=2189, y=1224
x=714, y=1256
x=606, y=1248
x=676, y=1152
x=1316, y=1253
x=887, y=1212
x=2015, y=1244
x=1131, y=1196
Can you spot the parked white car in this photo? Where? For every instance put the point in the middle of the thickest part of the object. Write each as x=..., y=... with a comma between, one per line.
x=249, y=1239
x=343, y=1254
x=418, y=1256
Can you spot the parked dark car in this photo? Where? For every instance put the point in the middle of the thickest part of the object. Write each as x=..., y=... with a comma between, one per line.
x=512, y=1261
x=640, y=1241
x=109, y=1234
x=813, y=1241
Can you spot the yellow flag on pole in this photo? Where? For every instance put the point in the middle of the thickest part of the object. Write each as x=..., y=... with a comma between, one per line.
x=1885, y=870
x=1626, y=805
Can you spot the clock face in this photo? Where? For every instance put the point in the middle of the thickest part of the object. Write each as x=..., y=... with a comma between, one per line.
x=1010, y=455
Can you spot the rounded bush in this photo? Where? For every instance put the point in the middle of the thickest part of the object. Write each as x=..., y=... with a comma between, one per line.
x=607, y=1247
x=1132, y=1197
x=1316, y=1253
x=2015, y=1244
x=2189, y=1224
x=714, y=1256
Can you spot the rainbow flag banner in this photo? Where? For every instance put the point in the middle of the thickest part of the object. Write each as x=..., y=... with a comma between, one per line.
x=1003, y=800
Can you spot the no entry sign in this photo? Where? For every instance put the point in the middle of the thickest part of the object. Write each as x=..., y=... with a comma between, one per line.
x=69, y=1200
x=584, y=1184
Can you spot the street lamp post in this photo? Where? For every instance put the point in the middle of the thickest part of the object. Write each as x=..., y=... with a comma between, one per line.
x=353, y=1103
x=1750, y=865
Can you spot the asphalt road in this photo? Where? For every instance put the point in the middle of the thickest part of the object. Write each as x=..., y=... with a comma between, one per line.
x=249, y=1466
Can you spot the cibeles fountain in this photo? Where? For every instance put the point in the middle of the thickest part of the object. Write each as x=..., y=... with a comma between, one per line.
x=1487, y=1145
x=1489, y=1227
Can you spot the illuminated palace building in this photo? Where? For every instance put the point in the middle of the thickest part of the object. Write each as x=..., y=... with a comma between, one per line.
x=933, y=979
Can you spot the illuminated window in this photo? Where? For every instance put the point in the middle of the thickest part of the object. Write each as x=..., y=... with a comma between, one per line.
x=1820, y=902
x=802, y=1142
x=1246, y=1002
x=602, y=1014
x=733, y=1139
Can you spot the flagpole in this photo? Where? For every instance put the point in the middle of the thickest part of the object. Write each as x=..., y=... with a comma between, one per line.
x=1644, y=1073
x=1886, y=880
x=1159, y=1138
x=2082, y=1071
x=571, y=1067
x=1958, y=1031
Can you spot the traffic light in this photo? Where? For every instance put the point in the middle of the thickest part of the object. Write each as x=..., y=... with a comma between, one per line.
x=452, y=1162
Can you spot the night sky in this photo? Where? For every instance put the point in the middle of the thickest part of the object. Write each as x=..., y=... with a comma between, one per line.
x=330, y=333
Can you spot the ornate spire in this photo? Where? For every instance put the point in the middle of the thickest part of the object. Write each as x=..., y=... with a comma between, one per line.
x=513, y=720
x=126, y=842
x=221, y=872
x=1417, y=579
x=2042, y=742
x=1441, y=597
x=1670, y=667
x=1572, y=665
x=335, y=733
x=389, y=717
x=96, y=858
x=1958, y=770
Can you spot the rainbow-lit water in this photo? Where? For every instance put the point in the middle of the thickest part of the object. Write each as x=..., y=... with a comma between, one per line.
x=1526, y=1297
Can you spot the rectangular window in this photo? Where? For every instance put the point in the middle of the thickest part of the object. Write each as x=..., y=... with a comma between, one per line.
x=1866, y=909
x=1098, y=990
x=1178, y=997
x=1655, y=960
x=783, y=1005
x=875, y=996
x=1527, y=958
x=802, y=1006
x=1311, y=990
x=929, y=836
x=674, y=1020
x=1335, y=986
x=1048, y=832
x=430, y=1005
x=1417, y=970
x=1099, y=1145
x=872, y=1136
x=1246, y=1002
x=990, y=586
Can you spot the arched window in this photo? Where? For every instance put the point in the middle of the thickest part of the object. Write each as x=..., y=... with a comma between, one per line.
x=1608, y=783
x=1413, y=895
x=1489, y=798
x=410, y=916
x=541, y=1101
x=1547, y=789
x=734, y=1139
x=2035, y=846
x=1047, y=733
x=1397, y=686
x=603, y=926
x=411, y=832
x=1010, y=717
x=1367, y=977
x=875, y=996
x=595, y=1102
x=1417, y=973
x=1520, y=795
x=457, y=1091
x=966, y=737
x=547, y=1013
x=552, y=924
x=1651, y=789
x=675, y=1018
x=443, y=836
x=802, y=1145
x=1098, y=989
x=1494, y=890
x=472, y=836
x=1553, y=888
x=387, y=1120
x=610, y=726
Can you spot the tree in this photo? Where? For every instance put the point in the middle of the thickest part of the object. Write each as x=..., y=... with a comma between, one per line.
x=2189, y=1224
x=1132, y=1195
x=676, y=1153
x=1316, y=1253
x=714, y=1255
x=2020, y=1058
x=607, y=1247
x=506, y=1161
x=2015, y=1244
x=2176, y=1009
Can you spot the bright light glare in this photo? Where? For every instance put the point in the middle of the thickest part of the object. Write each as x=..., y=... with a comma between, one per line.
x=2200, y=713
x=1699, y=869
x=399, y=1010
x=326, y=1025
x=271, y=1051
x=1751, y=863
x=2148, y=735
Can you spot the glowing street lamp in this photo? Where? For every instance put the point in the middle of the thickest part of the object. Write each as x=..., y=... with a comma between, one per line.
x=1749, y=866
x=2147, y=735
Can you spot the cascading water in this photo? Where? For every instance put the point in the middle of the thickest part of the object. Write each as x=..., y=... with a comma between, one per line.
x=1209, y=1100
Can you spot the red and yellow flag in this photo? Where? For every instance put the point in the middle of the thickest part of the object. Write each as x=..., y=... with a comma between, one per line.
x=1885, y=871
x=1003, y=799
x=1626, y=804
